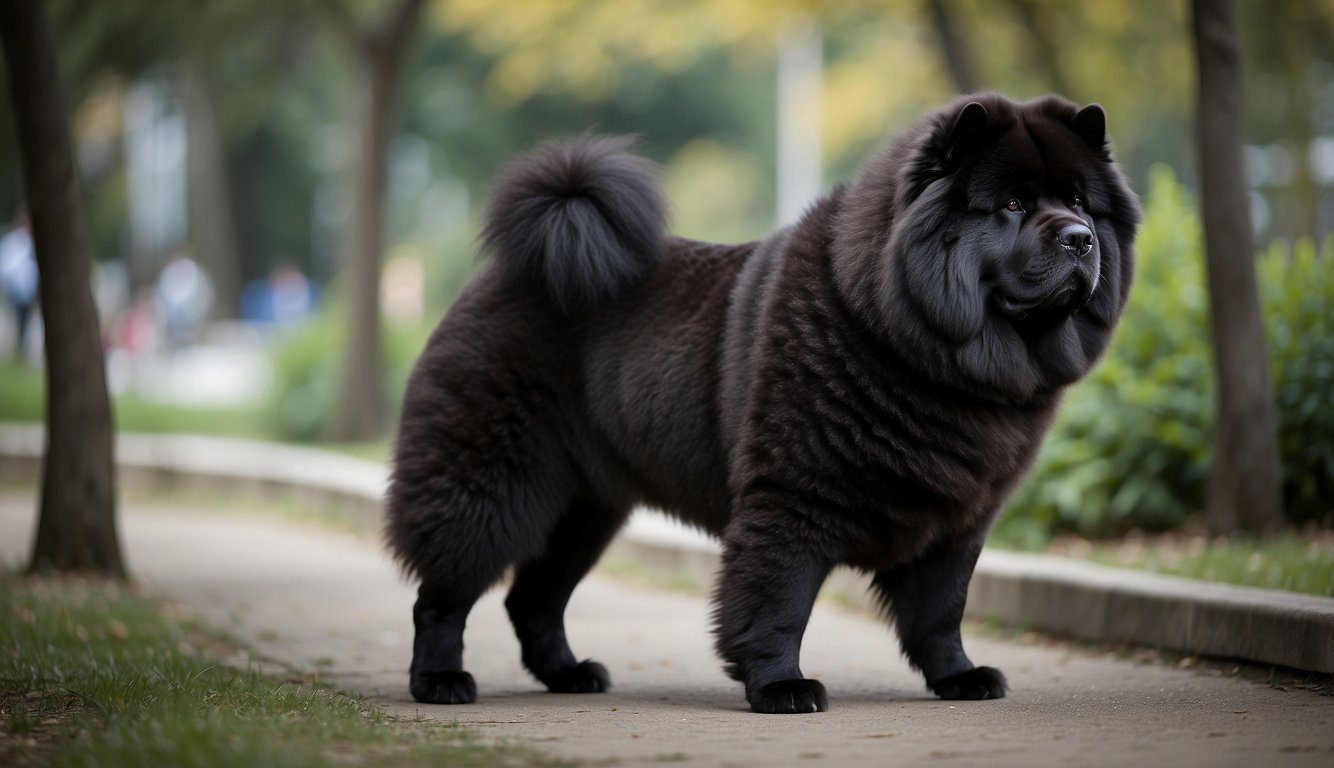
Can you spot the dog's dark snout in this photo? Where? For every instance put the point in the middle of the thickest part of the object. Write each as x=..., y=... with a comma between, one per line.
x=1075, y=238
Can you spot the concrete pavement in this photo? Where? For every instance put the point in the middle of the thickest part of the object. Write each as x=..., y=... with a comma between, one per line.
x=320, y=601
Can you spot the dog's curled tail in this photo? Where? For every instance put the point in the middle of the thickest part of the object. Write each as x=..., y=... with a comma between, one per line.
x=582, y=220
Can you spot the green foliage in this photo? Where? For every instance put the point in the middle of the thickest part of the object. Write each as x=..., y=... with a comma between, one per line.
x=1298, y=291
x=307, y=366
x=307, y=363
x=1132, y=445
x=104, y=678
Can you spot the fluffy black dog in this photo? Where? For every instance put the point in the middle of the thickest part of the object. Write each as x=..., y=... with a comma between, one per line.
x=863, y=388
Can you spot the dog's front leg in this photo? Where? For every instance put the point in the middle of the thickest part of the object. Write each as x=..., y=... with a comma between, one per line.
x=926, y=598
x=766, y=588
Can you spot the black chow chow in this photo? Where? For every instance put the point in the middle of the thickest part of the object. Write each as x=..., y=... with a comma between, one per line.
x=863, y=388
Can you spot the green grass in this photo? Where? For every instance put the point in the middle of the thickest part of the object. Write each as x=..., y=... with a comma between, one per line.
x=378, y=450
x=1292, y=561
x=97, y=675
x=23, y=399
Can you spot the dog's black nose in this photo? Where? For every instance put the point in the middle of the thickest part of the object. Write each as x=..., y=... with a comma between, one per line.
x=1075, y=238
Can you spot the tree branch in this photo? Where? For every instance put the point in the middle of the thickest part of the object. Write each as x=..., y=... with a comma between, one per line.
x=1044, y=47
x=957, y=59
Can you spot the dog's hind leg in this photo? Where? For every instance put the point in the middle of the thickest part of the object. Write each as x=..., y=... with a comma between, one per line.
x=464, y=543
x=481, y=477
x=542, y=588
x=436, y=675
x=471, y=544
x=473, y=541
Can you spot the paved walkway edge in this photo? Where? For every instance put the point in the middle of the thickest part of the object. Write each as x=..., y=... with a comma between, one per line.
x=1056, y=595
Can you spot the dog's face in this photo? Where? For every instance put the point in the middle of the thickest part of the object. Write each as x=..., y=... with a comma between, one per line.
x=1026, y=218
x=1008, y=246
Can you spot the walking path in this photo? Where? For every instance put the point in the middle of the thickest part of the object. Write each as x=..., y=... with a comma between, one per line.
x=334, y=604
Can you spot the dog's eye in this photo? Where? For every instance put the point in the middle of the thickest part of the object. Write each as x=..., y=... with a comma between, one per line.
x=1014, y=206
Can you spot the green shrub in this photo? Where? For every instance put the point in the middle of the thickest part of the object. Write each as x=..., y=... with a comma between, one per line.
x=308, y=366
x=1132, y=445
x=305, y=367
x=1298, y=291
x=308, y=363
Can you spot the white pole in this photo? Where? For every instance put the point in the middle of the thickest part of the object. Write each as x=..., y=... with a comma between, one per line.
x=800, y=69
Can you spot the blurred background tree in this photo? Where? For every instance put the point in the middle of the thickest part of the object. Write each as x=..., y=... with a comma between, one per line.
x=226, y=132
x=376, y=49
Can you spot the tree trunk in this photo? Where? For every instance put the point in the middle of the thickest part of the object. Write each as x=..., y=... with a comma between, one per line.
x=1243, y=492
x=952, y=47
x=361, y=406
x=211, y=193
x=1043, y=44
x=1299, y=216
x=76, y=530
x=377, y=56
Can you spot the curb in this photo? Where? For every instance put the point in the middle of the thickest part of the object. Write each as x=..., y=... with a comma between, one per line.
x=1051, y=594
x=351, y=488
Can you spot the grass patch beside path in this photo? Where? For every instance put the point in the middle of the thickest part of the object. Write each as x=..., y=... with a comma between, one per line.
x=95, y=674
x=23, y=399
x=378, y=450
x=1291, y=561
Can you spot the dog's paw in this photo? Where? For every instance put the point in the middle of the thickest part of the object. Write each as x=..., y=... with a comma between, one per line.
x=587, y=676
x=976, y=683
x=443, y=687
x=787, y=697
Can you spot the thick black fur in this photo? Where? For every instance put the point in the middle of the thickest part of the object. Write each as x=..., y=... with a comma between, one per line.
x=863, y=388
x=580, y=221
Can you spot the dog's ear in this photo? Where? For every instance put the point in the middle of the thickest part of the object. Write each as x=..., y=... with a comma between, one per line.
x=1090, y=124
x=949, y=140
x=970, y=125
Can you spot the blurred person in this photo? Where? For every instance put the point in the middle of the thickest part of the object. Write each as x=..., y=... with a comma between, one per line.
x=282, y=298
x=257, y=301
x=18, y=273
x=403, y=289
x=134, y=337
x=293, y=295
x=137, y=330
x=185, y=293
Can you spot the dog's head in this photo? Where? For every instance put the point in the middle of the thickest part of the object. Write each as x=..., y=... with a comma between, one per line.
x=995, y=238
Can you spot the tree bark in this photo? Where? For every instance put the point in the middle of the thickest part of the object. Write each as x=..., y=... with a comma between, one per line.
x=958, y=60
x=76, y=530
x=1243, y=492
x=1044, y=45
x=1299, y=216
x=377, y=56
x=211, y=193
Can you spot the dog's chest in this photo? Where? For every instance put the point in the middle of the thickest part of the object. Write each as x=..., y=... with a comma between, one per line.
x=887, y=463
